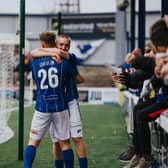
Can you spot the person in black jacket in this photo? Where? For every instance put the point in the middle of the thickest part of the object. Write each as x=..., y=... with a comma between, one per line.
x=141, y=74
x=150, y=110
x=143, y=69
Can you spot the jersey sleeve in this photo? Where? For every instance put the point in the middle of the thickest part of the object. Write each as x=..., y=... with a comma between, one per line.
x=73, y=70
x=73, y=58
x=73, y=65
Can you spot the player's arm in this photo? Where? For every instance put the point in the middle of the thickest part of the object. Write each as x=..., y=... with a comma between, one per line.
x=56, y=51
x=74, y=70
x=79, y=78
x=39, y=52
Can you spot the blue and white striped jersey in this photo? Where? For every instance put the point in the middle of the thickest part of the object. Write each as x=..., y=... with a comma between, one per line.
x=72, y=92
x=50, y=78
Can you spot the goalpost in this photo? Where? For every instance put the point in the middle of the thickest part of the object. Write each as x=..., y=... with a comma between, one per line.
x=7, y=89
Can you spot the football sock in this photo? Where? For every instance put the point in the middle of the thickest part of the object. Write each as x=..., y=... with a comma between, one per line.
x=29, y=156
x=68, y=158
x=59, y=164
x=83, y=162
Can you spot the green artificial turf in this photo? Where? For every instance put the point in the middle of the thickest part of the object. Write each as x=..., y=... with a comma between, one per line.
x=104, y=131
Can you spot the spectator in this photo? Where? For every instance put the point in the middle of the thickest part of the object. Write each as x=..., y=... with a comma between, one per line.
x=149, y=110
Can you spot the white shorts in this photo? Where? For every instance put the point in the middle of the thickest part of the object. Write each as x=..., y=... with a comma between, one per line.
x=76, y=129
x=42, y=121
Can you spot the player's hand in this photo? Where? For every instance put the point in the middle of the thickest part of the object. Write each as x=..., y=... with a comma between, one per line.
x=57, y=58
x=63, y=54
x=55, y=51
x=60, y=52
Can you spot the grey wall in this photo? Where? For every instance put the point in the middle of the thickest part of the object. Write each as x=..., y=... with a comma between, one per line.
x=9, y=24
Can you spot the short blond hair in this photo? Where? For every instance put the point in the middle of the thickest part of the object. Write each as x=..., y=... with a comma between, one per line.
x=64, y=36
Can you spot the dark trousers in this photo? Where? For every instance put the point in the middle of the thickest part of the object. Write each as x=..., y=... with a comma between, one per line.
x=145, y=112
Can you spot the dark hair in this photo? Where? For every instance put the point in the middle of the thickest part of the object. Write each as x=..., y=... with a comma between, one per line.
x=159, y=33
x=48, y=38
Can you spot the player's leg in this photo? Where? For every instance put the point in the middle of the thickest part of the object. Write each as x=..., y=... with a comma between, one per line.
x=67, y=153
x=80, y=147
x=30, y=152
x=39, y=126
x=62, y=127
x=77, y=133
x=57, y=152
x=81, y=151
